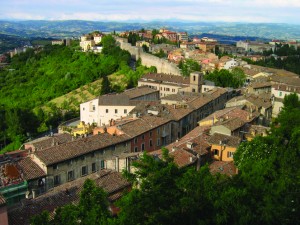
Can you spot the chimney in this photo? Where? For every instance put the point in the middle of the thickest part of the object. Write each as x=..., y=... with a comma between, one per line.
x=191, y=158
x=174, y=149
x=33, y=193
x=189, y=145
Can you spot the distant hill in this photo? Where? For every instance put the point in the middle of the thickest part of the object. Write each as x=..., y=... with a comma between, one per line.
x=75, y=28
x=8, y=42
x=226, y=39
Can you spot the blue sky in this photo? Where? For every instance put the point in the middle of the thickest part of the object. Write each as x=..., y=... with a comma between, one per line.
x=274, y=11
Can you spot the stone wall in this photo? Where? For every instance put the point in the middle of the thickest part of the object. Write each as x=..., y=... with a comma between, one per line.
x=162, y=65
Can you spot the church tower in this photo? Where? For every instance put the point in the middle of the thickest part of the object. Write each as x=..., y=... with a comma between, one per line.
x=196, y=81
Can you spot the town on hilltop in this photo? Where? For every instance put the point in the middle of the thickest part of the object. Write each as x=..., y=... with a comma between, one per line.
x=199, y=121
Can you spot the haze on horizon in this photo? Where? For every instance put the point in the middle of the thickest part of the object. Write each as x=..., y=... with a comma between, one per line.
x=252, y=11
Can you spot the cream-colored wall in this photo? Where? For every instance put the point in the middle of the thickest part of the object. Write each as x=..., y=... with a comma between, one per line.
x=39, y=162
x=88, y=159
x=221, y=130
x=87, y=114
x=104, y=117
x=97, y=39
x=86, y=45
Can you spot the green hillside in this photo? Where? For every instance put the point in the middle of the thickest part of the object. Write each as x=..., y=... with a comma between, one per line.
x=44, y=87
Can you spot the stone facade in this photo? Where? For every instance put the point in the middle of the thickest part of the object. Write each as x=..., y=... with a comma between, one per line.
x=162, y=65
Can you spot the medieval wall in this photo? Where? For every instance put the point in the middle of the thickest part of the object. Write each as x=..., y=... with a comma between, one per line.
x=162, y=65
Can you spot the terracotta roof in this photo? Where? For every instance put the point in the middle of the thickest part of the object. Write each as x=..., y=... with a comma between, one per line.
x=286, y=80
x=260, y=84
x=256, y=130
x=182, y=158
x=111, y=181
x=217, y=138
x=286, y=88
x=164, y=78
x=141, y=125
x=139, y=91
x=198, y=137
x=258, y=101
x=30, y=169
x=114, y=99
x=232, y=112
x=222, y=167
x=231, y=123
x=2, y=200
x=78, y=147
x=46, y=142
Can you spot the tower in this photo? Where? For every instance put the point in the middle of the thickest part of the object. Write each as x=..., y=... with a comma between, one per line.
x=196, y=81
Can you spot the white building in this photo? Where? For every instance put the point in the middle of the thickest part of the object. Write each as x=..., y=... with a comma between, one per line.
x=278, y=92
x=106, y=108
x=230, y=64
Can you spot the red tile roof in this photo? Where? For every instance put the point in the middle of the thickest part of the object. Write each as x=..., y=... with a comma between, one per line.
x=78, y=147
x=222, y=167
x=165, y=78
x=231, y=141
x=142, y=125
x=30, y=169
x=111, y=181
x=182, y=158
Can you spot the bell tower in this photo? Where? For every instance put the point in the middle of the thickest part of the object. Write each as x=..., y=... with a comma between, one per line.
x=196, y=81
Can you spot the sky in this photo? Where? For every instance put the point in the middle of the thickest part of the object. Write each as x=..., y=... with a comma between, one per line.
x=254, y=11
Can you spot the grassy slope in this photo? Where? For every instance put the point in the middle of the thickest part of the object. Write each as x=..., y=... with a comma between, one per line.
x=85, y=93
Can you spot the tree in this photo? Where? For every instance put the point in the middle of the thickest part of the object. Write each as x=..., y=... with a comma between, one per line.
x=187, y=66
x=68, y=214
x=93, y=204
x=105, y=86
x=270, y=168
x=41, y=219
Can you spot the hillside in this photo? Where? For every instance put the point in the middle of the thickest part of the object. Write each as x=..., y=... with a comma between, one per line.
x=43, y=87
x=38, y=76
x=72, y=100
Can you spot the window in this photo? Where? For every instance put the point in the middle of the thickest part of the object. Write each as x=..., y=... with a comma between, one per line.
x=193, y=90
x=158, y=130
x=93, y=167
x=102, y=164
x=106, y=110
x=143, y=137
x=143, y=147
x=158, y=142
x=194, y=78
x=150, y=143
x=55, y=167
x=280, y=94
x=136, y=149
x=82, y=158
x=71, y=175
x=93, y=154
x=230, y=154
x=83, y=109
x=135, y=140
x=125, y=111
x=84, y=170
x=150, y=134
x=116, y=111
x=216, y=152
x=94, y=107
x=56, y=180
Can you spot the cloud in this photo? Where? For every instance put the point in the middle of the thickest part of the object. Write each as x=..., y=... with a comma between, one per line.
x=195, y=10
